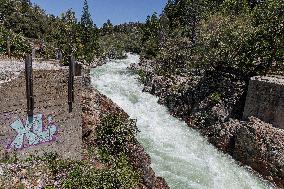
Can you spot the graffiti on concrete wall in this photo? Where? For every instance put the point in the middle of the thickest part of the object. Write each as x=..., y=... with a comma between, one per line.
x=33, y=131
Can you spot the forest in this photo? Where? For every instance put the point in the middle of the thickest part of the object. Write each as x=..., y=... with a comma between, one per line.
x=24, y=26
x=243, y=37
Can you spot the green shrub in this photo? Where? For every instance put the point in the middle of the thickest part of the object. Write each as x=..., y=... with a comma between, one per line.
x=19, y=46
x=215, y=97
x=104, y=155
x=142, y=76
x=127, y=176
x=120, y=175
x=244, y=43
x=55, y=164
x=49, y=187
x=115, y=132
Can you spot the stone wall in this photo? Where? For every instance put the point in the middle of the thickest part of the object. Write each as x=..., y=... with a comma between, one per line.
x=265, y=100
x=61, y=131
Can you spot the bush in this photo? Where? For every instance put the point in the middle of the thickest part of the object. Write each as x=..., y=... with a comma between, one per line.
x=114, y=133
x=215, y=97
x=19, y=46
x=120, y=175
x=245, y=44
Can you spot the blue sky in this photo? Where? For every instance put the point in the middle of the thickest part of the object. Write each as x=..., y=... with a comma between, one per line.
x=118, y=11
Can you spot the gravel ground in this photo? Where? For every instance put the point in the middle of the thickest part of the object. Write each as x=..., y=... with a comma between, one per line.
x=10, y=69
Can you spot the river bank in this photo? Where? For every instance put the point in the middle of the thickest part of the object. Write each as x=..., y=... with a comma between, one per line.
x=216, y=116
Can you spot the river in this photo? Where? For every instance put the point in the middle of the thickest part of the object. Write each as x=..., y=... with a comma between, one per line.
x=179, y=154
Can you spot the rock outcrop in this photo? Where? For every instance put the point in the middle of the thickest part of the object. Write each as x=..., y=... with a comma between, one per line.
x=252, y=142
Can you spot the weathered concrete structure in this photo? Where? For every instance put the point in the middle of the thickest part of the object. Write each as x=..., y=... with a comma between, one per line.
x=265, y=100
x=53, y=128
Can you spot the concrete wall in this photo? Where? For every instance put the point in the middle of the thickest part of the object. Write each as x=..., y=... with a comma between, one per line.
x=265, y=100
x=62, y=131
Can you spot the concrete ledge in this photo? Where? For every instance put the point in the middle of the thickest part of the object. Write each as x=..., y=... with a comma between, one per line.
x=265, y=100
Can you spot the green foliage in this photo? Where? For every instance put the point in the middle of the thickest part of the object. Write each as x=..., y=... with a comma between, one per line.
x=114, y=133
x=115, y=41
x=89, y=42
x=19, y=46
x=174, y=56
x=49, y=187
x=244, y=45
x=21, y=186
x=120, y=175
x=55, y=164
x=224, y=42
x=240, y=38
x=28, y=25
x=104, y=155
x=142, y=76
x=113, y=137
x=22, y=17
x=150, y=38
x=215, y=97
x=86, y=20
x=107, y=28
x=9, y=158
x=126, y=175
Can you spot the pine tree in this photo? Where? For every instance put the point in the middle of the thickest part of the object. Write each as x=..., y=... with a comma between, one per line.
x=89, y=35
x=86, y=20
x=150, y=38
x=107, y=28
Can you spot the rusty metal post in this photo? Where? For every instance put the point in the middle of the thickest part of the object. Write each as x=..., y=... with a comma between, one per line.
x=71, y=83
x=29, y=85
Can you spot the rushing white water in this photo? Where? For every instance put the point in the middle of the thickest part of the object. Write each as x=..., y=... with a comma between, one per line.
x=179, y=154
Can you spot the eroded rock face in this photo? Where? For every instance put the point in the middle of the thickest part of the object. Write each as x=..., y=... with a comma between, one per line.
x=261, y=146
x=95, y=105
x=252, y=142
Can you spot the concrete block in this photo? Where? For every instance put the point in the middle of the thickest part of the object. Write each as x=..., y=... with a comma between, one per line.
x=53, y=128
x=265, y=100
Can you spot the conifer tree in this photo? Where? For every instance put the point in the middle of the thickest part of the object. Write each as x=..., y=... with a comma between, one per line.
x=88, y=35
x=107, y=27
x=86, y=20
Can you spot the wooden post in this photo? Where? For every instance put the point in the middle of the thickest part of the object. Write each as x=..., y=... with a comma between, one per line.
x=29, y=85
x=71, y=83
